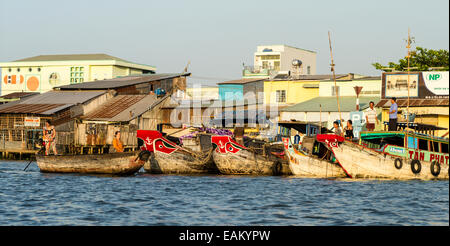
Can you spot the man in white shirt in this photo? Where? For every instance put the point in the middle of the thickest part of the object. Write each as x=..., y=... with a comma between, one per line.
x=371, y=117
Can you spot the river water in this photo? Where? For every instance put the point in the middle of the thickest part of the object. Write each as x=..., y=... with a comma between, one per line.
x=33, y=198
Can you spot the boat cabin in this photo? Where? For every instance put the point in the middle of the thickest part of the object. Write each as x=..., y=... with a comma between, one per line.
x=408, y=144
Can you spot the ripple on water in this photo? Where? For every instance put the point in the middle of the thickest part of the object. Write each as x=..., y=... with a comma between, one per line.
x=34, y=198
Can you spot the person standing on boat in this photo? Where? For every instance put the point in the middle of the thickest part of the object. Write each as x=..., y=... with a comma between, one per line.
x=393, y=115
x=349, y=130
x=49, y=133
x=117, y=143
x=371, y=117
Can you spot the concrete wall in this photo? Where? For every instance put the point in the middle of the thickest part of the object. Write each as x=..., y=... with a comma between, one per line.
x=371, y=88
x=231, y=92
x=307, y=58
x=287, y=54
x=38, y=80
x=295, y=91
x=100, y=72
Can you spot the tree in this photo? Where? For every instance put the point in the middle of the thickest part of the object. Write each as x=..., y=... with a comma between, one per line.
x=421, y=60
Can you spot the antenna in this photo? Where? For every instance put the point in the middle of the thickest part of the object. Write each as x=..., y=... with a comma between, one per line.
x=187, y=66
x=334, y=78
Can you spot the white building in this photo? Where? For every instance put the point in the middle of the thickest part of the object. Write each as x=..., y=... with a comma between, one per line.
x=272, y=59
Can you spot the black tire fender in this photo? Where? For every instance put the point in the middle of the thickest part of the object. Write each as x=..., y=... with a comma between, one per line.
x=277, y=168
x=144, y=155
x=416, y=166
x=398, y=163
x=435, y=168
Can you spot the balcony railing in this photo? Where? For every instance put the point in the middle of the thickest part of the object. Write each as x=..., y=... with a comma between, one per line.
x=263, y=71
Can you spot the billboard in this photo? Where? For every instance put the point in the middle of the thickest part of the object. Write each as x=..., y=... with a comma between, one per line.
x=422, y=85
x=397, y=85
x=436, y=82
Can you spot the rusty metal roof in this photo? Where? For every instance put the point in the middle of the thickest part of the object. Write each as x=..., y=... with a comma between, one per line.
x=122, y=108
x=30, y=108
x=50, y=102
x=415, y=102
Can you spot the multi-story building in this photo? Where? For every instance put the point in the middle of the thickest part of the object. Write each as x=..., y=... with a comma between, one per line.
x=272, y=59
x=289, y=90
x=42, y=73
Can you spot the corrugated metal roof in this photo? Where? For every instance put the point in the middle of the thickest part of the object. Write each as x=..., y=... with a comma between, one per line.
x=49, y=102
x=30, y=108
x=18, y=95
x=415, y=102
x=240, y=81
x=122, y=108
x=64, y=97
x=121, y=81
x=329, y=104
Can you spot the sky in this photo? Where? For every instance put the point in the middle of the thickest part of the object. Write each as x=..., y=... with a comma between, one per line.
x=217, y=37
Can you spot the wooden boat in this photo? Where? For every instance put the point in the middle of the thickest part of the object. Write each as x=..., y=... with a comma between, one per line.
x=234, y=159
x=384, y=155
x=114, y=163
x=312, y=164
x=169, y=158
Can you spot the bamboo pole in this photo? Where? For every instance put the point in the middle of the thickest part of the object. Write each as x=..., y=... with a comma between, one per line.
x=408, y=46
x=334, y=78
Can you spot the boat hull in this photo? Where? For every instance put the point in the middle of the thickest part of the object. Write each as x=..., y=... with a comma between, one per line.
x=179, y=163
x=247, y=163
x=231, y=158
x=169, y=158
x=361, y=162
x=307, y=166
x=113, y=163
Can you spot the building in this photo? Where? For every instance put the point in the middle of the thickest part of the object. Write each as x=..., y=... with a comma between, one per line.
x=86, y=115
x=325, y=109
x=285, y=90
x=371, y=86
x=428, y=97
x=42, y=73
x=21, y=121
x=272, y=59
x=242, y=88
x=203, y=93
x=124, y=113
x=135, y=84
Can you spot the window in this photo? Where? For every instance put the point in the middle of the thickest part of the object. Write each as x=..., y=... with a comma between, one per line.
x=281, y=96
x=270, y=57
x=333, y=90
x=276, y=65
x=434, y=146
x=9, y=70
x=308, y=70
x=444, y=148
x=423, y=144
x=30, y=69
x=18, y=69
x=76, y=75
x=54, y=79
